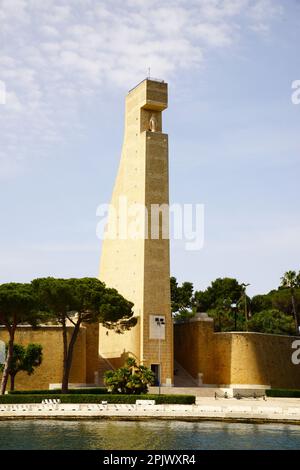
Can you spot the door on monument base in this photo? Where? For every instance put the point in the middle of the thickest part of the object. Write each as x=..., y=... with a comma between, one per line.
x=155, y=369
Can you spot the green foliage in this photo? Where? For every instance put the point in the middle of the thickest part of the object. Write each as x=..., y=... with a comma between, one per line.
x=181, y=299
x=31, y=358
x=202, y=300
x=228, y=319
x=222, y=291
x=224, y=301
x=184, y=314
x=78, y=301
x=272, y=321
x=281, y=300
x=18, y=304
x=131, y=379
x=285, y=299
x=75, y=391
x=25, y=359
x=283, y=393
x=291, y=279
x=261, y=302
x=85, y=300
x=70, y=398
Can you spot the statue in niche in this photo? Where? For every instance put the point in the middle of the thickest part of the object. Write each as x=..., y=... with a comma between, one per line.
x=153, y=123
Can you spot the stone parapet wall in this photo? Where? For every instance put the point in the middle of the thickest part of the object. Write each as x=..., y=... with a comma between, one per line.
x=235, y=357
x=50, y=371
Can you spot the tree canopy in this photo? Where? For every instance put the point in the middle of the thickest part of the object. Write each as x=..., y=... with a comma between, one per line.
x=222, y=291
x=225, y=300
x=72, y=302
x=181, y=298
x=18, y=305
x=272, y=321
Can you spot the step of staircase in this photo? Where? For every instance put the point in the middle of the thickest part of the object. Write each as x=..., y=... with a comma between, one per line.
x=197, y=391
x=104, y=366
x=182, y=378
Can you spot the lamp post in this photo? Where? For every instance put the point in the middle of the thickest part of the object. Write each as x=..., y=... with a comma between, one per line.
x=160, y=322
x=234, y=307
x=245, y=303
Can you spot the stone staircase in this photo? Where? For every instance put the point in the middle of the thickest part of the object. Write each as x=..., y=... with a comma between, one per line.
x=104, y=366
x=184, y=383
x=182, y=378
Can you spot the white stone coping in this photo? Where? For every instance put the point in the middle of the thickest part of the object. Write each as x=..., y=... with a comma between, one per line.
x=281, y=410
x=145, y=402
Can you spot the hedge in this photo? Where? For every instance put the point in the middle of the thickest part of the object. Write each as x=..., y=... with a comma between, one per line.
x=283, y=393
x=77, y=391
x=129, y=399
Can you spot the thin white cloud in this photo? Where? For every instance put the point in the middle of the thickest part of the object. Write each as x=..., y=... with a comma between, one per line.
x=220, y=35
x=67, y=248
x=261, y=13
x=57, y=52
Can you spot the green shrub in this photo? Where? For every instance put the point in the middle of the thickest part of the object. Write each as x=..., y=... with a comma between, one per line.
x=170, y=399
x=130, y=379
x=283, y=393
x=15, y=399
x=129, y=399
x=75, y=391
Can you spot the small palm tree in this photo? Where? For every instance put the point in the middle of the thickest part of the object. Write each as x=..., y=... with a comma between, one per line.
x=146, y=376
x=291, y=280
x=131, y=364
x=130, y=379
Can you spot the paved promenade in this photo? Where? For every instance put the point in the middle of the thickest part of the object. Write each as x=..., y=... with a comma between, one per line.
x=252, y=410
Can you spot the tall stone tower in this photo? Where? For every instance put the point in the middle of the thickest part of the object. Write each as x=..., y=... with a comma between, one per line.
x=138, y=265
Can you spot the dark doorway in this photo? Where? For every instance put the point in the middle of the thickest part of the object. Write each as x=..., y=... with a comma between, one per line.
x=155, y=370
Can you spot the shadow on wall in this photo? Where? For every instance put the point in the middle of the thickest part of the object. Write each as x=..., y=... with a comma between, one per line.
x=50, y=371
x=235, y=358
x=115, y=362
x=264, y=359
x=195, y=350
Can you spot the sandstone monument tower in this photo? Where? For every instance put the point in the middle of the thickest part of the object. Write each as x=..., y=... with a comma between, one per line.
x=138, y=265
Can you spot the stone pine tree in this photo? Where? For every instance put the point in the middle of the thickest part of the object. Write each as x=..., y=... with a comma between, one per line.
x=181, y=299
x=72, y=302
x=18, y=305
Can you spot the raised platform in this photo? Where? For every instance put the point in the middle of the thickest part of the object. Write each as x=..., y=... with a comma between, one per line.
x=274, y=410
x=229, y=391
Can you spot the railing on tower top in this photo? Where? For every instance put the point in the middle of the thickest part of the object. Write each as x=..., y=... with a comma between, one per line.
x=147, y=78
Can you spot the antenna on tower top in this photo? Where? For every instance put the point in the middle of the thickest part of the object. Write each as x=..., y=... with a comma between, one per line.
x=149, y=72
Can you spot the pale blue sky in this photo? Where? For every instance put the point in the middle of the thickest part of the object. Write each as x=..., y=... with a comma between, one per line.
x=233, y=130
